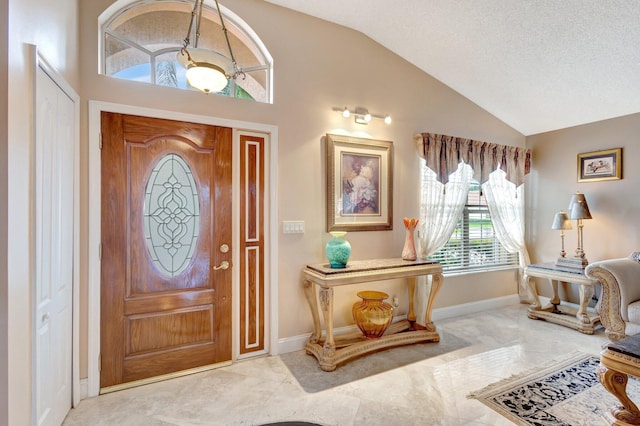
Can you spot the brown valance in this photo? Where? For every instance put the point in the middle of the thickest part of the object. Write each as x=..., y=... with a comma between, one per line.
x=444, y=153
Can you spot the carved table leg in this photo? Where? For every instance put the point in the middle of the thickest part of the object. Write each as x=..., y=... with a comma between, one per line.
x=586, y=292
x=326, y=302
x=411, y=315
x=310, y=293
x=533, y=293
x=436, y=284
x=616, y=383
x=555, y=300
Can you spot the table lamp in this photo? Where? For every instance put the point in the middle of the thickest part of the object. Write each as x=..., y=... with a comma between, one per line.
x=561, y=222
x=578, y=210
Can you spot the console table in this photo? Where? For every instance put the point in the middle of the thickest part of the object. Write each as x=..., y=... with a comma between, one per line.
x=580, y=319
x=331, y=350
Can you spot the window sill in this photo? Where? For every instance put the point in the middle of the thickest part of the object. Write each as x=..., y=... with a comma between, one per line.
x=479, y=270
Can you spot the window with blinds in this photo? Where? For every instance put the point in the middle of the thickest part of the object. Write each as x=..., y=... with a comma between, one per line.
x=473, y=244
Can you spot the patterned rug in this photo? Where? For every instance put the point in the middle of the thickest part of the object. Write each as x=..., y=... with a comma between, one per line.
x=564, y=392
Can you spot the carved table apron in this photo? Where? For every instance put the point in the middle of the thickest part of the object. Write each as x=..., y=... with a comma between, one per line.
x=330, y=350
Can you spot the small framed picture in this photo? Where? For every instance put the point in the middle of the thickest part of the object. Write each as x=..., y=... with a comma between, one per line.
x=600, y=165
x=359, y=184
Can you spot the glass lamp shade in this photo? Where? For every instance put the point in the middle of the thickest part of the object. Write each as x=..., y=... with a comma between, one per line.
x=561, y=221
x=206, y=70
x=578, y=208
x=206, y=77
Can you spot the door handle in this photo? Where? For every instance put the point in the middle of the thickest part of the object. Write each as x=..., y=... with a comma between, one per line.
x=223, y=265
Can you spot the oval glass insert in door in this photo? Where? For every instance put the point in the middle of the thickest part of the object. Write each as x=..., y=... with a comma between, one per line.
x=171, y=215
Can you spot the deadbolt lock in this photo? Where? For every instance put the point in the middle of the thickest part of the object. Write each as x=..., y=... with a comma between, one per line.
x=224, y=248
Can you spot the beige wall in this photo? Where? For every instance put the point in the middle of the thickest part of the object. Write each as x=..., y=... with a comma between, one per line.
x=52, y=27
x=319, y=66
x=614, y=230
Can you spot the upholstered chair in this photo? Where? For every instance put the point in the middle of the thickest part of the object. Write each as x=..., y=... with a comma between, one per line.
x=620, y=300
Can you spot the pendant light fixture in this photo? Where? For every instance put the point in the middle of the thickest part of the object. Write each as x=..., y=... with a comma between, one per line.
x=207, y=70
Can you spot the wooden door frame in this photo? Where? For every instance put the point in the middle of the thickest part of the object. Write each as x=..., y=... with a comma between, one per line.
x=270, y=132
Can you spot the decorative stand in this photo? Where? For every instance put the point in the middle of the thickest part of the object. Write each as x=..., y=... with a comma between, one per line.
x=331, y=350
x=579, y=319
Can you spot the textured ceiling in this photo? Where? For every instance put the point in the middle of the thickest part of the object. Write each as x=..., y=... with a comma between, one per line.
x=538, y=65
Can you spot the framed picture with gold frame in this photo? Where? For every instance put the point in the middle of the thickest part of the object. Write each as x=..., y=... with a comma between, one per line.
x=600, y=165
x=359, y=176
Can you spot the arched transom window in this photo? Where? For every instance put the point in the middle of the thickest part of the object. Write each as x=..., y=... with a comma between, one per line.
x=141, y=42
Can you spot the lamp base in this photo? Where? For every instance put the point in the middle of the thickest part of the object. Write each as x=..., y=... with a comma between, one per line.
x=572, y=262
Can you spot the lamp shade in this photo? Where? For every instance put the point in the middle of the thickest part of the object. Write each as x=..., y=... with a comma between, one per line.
x=578, y=208
x=206, y=77
x=206, y=70
x=580, y=211
x=561, y=221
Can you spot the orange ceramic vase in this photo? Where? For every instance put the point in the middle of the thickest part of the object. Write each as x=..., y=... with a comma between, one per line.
x=372, y=315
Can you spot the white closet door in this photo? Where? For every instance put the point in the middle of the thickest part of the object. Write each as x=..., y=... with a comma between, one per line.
x=54, y=211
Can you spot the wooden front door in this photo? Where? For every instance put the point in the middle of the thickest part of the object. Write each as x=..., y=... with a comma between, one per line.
x=166, y=247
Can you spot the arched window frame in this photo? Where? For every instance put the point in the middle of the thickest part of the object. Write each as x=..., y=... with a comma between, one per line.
x=232, y=20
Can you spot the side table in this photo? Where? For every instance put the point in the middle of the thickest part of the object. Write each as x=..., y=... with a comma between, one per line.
x=580, y=319
x=331, y=350
x=617, y=361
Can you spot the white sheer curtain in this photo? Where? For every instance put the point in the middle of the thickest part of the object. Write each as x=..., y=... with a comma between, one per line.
x=506, y=206
x=440, y=207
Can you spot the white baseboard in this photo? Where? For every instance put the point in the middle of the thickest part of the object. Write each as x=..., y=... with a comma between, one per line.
x=297, y=343
x=84, y=388
x=473, y=307
x=292, y=344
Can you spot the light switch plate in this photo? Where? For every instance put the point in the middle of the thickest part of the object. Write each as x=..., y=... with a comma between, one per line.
x=293, y=227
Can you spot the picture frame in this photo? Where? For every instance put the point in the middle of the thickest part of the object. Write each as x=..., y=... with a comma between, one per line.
x=359, y=184
x=600, y=165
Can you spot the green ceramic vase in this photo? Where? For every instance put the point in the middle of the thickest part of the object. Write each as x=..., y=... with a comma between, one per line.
x=338, y=250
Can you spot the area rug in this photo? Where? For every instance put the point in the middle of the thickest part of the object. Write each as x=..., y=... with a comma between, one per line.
x=564, y=392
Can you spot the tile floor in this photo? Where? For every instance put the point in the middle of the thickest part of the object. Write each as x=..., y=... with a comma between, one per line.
x=421, y=384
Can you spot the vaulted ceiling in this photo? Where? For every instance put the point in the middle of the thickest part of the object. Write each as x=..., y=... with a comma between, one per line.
x=538, y=65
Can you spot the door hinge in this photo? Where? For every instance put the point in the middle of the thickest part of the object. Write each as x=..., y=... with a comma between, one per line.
x=100, y=251
x=100, y=140
x=100, y=361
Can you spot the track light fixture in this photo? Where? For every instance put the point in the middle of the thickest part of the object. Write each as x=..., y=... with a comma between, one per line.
x=361, y=115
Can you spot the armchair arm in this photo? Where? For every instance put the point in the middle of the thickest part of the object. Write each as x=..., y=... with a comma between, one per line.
x=620, y=286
